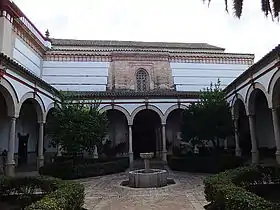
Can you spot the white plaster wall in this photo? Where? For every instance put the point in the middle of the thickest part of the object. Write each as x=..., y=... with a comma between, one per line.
x=196, y=76
x=76, y=76
x=26, y=57
x=21, y=89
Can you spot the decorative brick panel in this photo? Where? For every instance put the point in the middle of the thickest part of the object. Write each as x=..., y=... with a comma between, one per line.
x=122, y=74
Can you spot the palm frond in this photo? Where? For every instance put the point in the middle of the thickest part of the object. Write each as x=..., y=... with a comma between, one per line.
x=276, y=8
x=271, y=7
x=237, y=7
x=266, y=8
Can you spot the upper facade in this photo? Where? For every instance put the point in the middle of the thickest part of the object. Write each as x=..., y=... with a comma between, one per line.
x=115, y=66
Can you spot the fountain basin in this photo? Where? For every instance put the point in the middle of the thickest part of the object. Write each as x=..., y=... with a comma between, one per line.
x=145, y=179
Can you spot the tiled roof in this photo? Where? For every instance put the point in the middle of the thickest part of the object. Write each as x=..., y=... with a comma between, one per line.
x=110, y=43
x=133, y=94
x=11, y=64
x=254, y=68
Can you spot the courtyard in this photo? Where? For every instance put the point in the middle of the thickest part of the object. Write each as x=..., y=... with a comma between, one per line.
x=106, y=193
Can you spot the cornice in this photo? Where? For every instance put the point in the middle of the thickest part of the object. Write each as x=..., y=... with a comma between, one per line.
x=97, y=56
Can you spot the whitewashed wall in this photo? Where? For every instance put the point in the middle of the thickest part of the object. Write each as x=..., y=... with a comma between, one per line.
x=76, y=76
x=27, y=57
x=196, y=76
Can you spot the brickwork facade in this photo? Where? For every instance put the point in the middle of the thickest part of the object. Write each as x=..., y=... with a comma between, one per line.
x=122, y=74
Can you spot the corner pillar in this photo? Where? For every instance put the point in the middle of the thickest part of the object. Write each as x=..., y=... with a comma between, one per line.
x=276, y=133
x=40, y=158
x=254, y=151
x=236, y=136
x=164, y=152
x=130, y=152
x=10, y=165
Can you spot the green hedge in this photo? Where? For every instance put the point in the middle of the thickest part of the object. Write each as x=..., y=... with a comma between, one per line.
x=55, y=194
x=205, y=164
x=230, y=190
x=70, y=170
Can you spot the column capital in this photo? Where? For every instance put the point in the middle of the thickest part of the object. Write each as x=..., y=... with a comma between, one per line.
x=250, y=115
x=41, y=122
x=274, y=109
x=163, y=124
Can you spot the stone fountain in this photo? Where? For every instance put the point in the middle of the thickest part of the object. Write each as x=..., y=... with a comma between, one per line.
x=147, y=177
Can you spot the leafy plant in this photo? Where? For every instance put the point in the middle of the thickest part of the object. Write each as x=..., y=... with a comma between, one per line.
x=209, y=119
x=230, y=189
x=77, y=127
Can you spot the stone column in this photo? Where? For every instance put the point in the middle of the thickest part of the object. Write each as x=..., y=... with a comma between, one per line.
x=236, y=135
x=10, y=165
x=254, y=151
x=276, y=133
x=164, y=152
x=40, y=158
x=130, y=152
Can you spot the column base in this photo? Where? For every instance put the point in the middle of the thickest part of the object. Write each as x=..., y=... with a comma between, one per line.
x=277, y=156
x=255, y=157
x=40, y=162
x=131, y=159
x=164, y=156
x=10, y=169
x=238, y=152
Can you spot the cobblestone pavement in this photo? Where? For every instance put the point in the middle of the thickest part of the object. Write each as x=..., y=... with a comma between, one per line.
x=105, y=193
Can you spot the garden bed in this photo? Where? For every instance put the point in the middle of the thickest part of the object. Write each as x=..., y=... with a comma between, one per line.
x=252, y=188
x=205, y=164
x=44, y=193
x=70, y=169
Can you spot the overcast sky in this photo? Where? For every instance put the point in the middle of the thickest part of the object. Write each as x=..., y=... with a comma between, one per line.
x=156, y=20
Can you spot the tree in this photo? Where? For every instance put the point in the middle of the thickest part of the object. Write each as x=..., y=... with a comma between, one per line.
x=268, y=7
x=209, y=119
x=77, y=127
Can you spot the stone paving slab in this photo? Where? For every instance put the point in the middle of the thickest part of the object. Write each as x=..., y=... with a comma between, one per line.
x=106, y=193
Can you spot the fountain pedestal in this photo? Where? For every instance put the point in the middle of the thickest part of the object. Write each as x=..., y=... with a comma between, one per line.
x=145, y=178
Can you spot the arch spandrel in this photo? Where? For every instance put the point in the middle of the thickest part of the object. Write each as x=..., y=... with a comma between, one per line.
x=116, y=107
x=149, y=107
x=38, y=103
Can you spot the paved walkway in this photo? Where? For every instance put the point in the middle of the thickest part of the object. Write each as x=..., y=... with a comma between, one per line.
x=105, y=193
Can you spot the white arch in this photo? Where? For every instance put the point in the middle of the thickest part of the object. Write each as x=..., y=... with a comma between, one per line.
x=38, y=103
x=10, y=96
x=172, y=108
x=271, y=85
x=250, y=97
x=150, y=107
x=234, y=109
x=116, y=107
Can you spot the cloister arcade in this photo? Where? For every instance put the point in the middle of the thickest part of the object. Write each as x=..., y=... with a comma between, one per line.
x=255, y=110
x=22, y=127
x=146, y=129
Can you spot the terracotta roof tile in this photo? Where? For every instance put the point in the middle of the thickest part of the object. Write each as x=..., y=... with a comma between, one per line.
x=111, y=43
x=254, y=68
x=133, y=94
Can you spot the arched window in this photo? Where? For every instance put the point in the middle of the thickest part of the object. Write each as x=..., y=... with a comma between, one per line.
x=142, y=80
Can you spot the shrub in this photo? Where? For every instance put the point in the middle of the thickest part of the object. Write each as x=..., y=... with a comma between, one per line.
x=54, y=194
x=71, y=170
x=231, y=189
x=205, y=164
